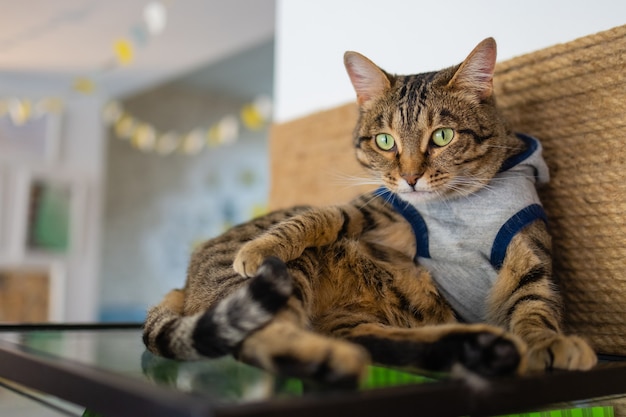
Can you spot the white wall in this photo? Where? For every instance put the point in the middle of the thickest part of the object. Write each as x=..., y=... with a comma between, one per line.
x=84, y=151
x=404, y=36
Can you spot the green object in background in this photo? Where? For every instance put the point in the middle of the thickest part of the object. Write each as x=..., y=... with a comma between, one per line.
x=50, y=217
x=379, y=377
x=89, y=413
x=570, y=412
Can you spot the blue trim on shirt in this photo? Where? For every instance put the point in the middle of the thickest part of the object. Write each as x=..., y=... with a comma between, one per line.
x=531, y=146
x=420, y=230
x=513, y=226
x=506, y=233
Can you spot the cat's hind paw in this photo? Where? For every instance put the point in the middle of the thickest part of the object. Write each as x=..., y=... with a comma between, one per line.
x=340, y=365
x=492, y=353
x=291, y=351
x=561, y=352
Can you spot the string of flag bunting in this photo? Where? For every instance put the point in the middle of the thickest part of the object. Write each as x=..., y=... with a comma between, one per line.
x=145, y=137
x=124, y=48
x=21, y=110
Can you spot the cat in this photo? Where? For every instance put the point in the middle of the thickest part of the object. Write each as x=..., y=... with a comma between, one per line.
x=446, y=265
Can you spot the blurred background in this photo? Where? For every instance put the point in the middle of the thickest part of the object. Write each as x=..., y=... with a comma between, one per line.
x=131, y=130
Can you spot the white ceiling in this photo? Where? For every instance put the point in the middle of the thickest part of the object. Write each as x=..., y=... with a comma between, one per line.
x=45, y=45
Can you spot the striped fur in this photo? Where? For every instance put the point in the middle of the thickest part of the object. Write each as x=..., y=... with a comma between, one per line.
x=321, y=292
x=180, y=325
x=221, y=328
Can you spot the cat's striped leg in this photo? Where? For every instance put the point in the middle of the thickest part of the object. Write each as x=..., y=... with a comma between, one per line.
x=285, y=346
x=479, y=348
x=221, y=328
x=525, y=301
x=288, y=239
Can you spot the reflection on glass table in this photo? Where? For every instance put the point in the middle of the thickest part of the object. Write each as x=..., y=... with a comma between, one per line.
x=107, y=370
x=16, y=401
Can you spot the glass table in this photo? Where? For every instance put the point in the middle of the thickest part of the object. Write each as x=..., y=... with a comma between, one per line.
x=104, y=370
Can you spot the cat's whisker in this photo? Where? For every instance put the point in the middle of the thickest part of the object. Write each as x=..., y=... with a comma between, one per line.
x=460, y=191
x=353, y=180
x=462, y=183
x=508, y=178
x=347, y=180
x=500, y=147
x=496, y=178
x=375, y=196
x=347, y=183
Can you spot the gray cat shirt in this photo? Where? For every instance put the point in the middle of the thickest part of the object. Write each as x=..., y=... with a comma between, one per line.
x=462, y=242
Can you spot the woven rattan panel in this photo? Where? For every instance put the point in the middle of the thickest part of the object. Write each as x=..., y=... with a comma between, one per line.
x=313, y=159
x=573, y=98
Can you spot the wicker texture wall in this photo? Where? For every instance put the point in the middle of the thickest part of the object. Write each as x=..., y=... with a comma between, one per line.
x=572, y=97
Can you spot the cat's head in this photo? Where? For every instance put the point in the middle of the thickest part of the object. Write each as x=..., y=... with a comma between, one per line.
x=430, y=136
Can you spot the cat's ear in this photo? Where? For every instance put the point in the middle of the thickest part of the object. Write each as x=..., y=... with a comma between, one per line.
x=368, y=80
x=475, y=74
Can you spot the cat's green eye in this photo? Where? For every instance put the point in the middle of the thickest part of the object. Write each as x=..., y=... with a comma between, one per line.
x=442, y=136
x=385, y=141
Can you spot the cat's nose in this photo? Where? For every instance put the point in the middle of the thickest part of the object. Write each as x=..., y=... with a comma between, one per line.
x=411, y=179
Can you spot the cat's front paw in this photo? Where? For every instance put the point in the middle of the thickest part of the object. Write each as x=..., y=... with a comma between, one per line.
x=561, y=352
x=250, y=258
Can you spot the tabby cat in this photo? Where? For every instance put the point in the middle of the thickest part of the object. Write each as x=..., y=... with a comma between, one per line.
x=446, y=265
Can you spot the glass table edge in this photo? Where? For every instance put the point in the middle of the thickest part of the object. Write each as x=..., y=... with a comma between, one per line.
x=95, y=389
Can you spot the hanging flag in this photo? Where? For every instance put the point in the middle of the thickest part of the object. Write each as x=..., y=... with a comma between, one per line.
x=139, y=35
x=125, y=126
x=20, y=111
x=83, y=85
x=193, y=142
x=155, y=17
x=124, y=52
x=168, y=143
x=144, y=137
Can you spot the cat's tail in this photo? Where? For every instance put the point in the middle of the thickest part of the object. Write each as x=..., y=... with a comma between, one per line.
x=220, y=329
